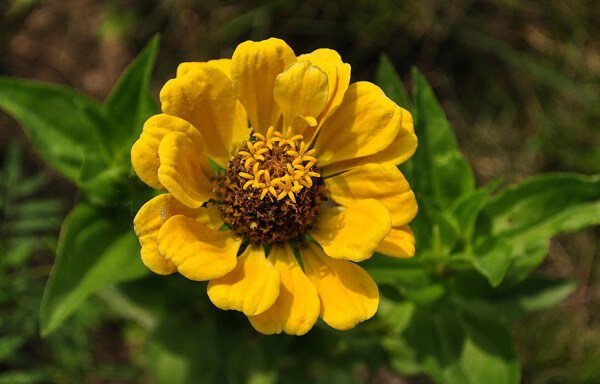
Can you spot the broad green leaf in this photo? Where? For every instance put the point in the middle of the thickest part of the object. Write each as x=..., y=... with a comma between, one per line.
x=389, y=81
x=102, y=184
x=534, y=294
x=530, y=213
x=93, y=252
x=543, y=206
x=414, y=282
x=62, y=125
x=466, y=209
x=525, y=261
x=455, y=347
x=492, y=259
x=437, y=170
x=130, y=103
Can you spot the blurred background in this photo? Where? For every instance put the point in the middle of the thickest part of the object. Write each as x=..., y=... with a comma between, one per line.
x=518, y=79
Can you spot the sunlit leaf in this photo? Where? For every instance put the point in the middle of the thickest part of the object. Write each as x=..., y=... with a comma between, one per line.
x=437, y=170
x=130, y=102
x=62, y=125
x=389, y=81
x=543, y=206
x=530, y=213
x=93, y=251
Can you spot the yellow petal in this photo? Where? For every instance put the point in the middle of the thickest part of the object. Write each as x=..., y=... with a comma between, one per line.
x=360, y=127
x=241, y=131
x=204, y=96
x=338, y=79
x=152, y=216
x=383, y=182
x=252, y=287
x=297, y=307
x=254, y=68
x=144, y=153
x=354, y=233
x=199, y=252
x=180, y=171
x=400, y=242
x=222, y=64
x=301, y=91
x=400, y=150
x=348, y=294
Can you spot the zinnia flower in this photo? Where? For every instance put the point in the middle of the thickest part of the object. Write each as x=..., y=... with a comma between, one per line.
x=269, y=150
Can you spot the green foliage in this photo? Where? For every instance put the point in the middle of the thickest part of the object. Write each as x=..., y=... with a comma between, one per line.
x=28, y=229
x=445, y=313
x=479, y=248
x=89, y=144
x=91, y=243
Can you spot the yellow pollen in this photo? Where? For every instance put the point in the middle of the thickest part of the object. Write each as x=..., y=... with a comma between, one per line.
x=277, y=164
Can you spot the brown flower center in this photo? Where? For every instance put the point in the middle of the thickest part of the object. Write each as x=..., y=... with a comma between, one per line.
x=272, y=189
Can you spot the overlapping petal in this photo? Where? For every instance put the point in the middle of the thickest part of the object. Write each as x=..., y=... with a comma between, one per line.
x=400, y=150
x=383, y=182
x=204, y=96
x=347, y=293
x=363, y=125
x=222, y=64
x=301, y=91
x=338, y=79
x=199, y=252
x=254, y=68
x=297, y=307
x=252, y=287
x=400, y=242
x=144, y=153
x=180, y=171
x=153, y=215
x=353, y=233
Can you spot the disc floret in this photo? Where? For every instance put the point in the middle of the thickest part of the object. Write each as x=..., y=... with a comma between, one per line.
x=272, y=189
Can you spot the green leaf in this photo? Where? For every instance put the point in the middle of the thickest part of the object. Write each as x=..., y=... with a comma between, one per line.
x=92, y=253
x=530, y=213
x=62, y=125
x=389, y=81
x=130, y=103
x=455, y=347
x=466, y=209
x=101, y=183
x=534, y=294
x=414, y=282
x=437, y=170
x=543, y=206
x=492, y=259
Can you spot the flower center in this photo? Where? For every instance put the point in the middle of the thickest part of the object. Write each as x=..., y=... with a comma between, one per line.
x=272, y=189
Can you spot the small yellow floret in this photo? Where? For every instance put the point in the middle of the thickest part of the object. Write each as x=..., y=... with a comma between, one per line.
x=292, y=176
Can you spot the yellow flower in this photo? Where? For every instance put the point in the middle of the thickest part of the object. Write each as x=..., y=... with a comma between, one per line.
x=308, y=166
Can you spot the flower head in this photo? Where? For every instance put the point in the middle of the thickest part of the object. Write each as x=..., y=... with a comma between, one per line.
x=307, y=165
